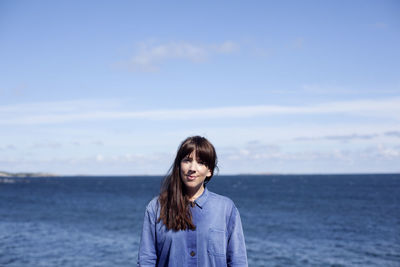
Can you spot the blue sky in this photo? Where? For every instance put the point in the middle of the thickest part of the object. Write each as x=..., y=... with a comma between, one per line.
x=113, y=87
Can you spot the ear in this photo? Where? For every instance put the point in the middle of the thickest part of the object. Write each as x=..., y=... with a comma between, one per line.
x=208, y=173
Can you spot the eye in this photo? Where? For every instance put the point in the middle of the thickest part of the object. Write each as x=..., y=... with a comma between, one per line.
x=186, y=160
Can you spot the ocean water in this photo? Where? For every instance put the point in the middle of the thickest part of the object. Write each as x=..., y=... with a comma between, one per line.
x=328, y=220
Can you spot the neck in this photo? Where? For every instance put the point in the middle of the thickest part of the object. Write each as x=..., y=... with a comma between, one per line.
x=195, y=193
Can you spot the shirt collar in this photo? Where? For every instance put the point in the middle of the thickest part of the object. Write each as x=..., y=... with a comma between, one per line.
x=201, y=200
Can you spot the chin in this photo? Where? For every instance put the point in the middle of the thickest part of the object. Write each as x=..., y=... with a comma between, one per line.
x=192, y=184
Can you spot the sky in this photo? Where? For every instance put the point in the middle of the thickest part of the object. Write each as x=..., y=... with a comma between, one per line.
x=113, y=87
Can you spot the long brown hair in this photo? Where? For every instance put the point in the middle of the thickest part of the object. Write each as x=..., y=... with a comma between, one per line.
x=175, y=212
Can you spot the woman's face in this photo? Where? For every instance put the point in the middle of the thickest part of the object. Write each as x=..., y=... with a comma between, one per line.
x=193, y=172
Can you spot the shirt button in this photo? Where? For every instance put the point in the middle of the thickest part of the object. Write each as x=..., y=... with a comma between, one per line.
x=192, y=253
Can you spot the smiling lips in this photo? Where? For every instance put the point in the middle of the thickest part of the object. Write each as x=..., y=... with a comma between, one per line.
x=191, y=177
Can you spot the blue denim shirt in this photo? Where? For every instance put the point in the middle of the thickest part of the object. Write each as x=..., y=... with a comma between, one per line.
x=217, y=240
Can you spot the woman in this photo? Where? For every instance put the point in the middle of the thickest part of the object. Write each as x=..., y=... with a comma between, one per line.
x=187, y=225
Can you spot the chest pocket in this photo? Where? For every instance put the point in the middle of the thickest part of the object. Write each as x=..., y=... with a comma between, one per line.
x=216, y=244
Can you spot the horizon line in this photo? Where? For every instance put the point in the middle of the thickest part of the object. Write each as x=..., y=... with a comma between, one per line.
x=42, y=174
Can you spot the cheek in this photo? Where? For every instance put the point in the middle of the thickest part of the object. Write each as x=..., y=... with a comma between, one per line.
x=183, y=168
x=205, y=171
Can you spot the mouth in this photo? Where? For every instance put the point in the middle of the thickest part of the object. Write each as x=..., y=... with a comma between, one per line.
x=191, y=177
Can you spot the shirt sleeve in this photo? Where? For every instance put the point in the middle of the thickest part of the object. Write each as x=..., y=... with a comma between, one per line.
x=236, y=248
x=147, y=255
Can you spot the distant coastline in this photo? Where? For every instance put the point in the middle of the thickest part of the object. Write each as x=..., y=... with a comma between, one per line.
x=25, y=174
x=4, y=174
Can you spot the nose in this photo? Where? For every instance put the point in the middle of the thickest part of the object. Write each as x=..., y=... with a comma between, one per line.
x=193, y=166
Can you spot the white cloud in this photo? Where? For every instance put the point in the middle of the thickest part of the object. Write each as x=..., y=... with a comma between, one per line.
x=344, y=138
x=95, y=164
x=375, y=158
x=225, y=48
x=63, y=112
x=149, y=56
x=99, y=157
x=250, y=157
x=47, y=145
x=59, y=106
x=345, y=91
x=8, y=148
x=371, y=145
x=393, y=133
x=388, y=152
x=98, y=143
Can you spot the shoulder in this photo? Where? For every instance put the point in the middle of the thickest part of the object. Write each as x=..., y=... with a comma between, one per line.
x=222, y=200
x=153, y=205
x=224, y=207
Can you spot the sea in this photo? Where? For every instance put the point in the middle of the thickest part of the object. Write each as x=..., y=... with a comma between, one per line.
x=288, y=220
